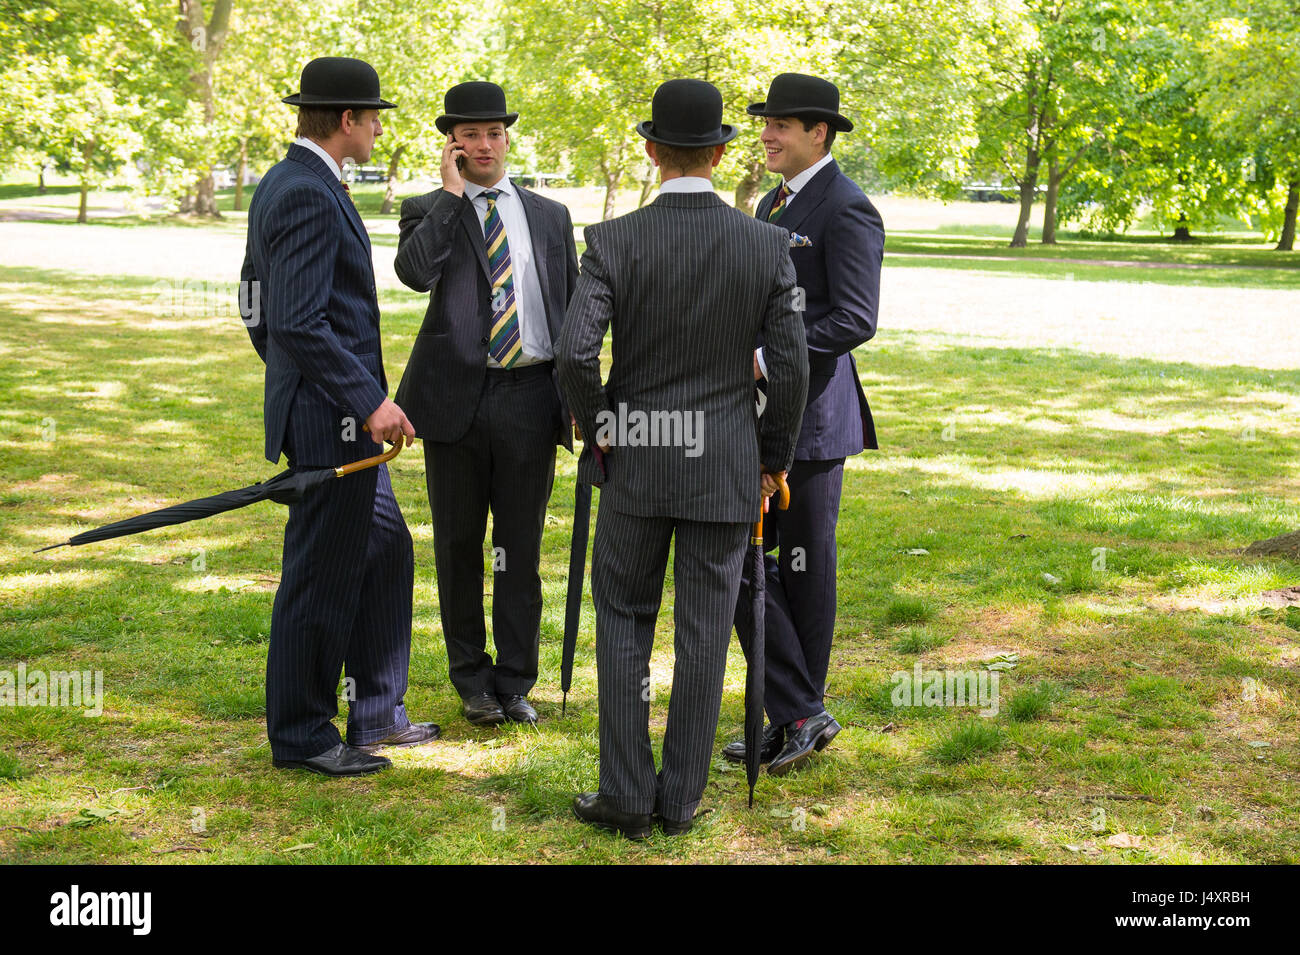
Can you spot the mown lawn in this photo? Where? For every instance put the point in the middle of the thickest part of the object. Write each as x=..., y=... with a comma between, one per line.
x=1148, y=715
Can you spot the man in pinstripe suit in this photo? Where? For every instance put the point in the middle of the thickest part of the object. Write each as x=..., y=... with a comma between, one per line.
x=344, y=599
x=687, y=284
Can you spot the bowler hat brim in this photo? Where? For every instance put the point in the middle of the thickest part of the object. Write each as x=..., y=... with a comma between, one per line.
x=724, y=134
x=329, y=102
x=828, y=116
x=446, y=121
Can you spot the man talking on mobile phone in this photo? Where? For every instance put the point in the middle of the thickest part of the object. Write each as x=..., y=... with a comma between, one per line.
x=499, y=263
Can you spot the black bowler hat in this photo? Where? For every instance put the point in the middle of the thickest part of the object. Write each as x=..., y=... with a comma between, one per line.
x=474, y=102
x=341, y=82
x=686, y=113
x=794, y=94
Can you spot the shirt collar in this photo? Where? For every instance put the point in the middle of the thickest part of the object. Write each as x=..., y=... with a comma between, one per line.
x=503, y=185
x=316, y=148
x=686, y=184
x=798, y=182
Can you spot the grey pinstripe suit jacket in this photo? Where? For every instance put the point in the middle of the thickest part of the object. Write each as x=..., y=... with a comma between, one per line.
x=688, y=285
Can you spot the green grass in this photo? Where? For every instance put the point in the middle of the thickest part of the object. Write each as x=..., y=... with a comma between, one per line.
x=1147, y=674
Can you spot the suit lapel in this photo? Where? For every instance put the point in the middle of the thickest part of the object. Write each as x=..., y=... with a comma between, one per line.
x=534, y=214
x=469, y=221
x=808, y=198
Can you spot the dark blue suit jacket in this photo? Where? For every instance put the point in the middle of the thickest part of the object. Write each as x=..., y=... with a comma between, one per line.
x=317, y=314
x=840, y=275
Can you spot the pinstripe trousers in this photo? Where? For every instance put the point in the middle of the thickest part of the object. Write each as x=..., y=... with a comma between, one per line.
x=344, y=602
x=628, y=562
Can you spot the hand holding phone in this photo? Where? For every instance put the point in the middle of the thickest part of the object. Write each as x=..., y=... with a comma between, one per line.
x=453, y=161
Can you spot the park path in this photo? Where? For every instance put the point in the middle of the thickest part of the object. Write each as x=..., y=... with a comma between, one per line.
x=1207, y=325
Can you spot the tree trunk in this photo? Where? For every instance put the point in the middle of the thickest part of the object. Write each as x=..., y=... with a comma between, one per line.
x=1182, y=232
x=647, y=184
x=748, y=188
x=40, y=179
x=1287, y=242
x=241, y=172
x=206, y=39
x=394, y=164
x=1049, y=207
x=1028, y=189
x=612, y=170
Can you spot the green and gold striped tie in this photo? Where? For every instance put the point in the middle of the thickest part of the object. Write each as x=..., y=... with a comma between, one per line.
x=503, y=344
x=778, y=207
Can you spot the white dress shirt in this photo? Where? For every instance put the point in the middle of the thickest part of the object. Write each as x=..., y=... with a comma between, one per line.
x=316, y=148
x=534, y=335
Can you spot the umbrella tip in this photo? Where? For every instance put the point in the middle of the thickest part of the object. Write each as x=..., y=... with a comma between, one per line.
x=751, y=799
x=50, y=547
x=564, y=703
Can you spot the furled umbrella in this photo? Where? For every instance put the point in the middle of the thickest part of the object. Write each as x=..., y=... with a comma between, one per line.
x=753, y=643
x=287, y=487
x=573, y=599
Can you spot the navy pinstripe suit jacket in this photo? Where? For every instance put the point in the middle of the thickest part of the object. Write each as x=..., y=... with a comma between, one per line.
x=318, y=328
x=840, y=275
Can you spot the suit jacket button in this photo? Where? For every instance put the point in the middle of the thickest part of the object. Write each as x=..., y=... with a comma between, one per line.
x=483, y=340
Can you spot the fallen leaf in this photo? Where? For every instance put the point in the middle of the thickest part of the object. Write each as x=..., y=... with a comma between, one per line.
x=1124, y=840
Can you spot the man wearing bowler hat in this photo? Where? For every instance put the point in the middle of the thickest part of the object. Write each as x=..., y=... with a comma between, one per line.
x=837, y=241
x=344, y=601
x=688, y=285
x=499, y=263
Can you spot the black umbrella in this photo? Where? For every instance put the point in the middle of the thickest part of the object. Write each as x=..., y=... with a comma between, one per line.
x=754, y=645
x=573, y=600
x=287, y=487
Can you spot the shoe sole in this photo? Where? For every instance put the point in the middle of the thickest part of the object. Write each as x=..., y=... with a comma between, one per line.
x=823, y=740
x=636, y=835
x=488, y=721
x=372, y=748
x=278, y=764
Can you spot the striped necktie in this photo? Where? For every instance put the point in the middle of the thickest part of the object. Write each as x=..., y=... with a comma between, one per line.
x=503, y=344
x=778, y=207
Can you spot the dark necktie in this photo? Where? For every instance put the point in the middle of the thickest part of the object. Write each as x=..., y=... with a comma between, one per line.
x=778, y=207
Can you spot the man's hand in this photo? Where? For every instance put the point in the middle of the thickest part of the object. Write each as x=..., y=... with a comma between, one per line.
x=388, y=423
x=770, y=486
x=452, y=181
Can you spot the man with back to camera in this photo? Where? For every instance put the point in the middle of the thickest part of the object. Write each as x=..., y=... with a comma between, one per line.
x=687, y=284
x=837, y=243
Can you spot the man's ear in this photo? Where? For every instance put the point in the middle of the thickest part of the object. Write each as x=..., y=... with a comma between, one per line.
x=718, y=153
x=347, y=121
x=650, y=151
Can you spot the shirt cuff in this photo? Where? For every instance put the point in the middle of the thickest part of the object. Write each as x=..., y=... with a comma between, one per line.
x=762, y=365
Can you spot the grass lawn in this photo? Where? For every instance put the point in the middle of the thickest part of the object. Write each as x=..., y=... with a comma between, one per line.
x=1147, y=714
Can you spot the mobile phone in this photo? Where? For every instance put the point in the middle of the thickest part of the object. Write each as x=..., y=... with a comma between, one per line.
x=460, y=162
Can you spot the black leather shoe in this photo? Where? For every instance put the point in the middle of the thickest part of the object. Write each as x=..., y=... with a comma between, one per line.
x=595, y=809
x=773, y=740
x=413, y=735
x=674, y=827
x=517, y=708
x=342, y=760
x=483, y=709
x=816, y=732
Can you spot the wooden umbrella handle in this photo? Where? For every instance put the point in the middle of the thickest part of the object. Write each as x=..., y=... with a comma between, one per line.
x=378, y=459
x=782, y=501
